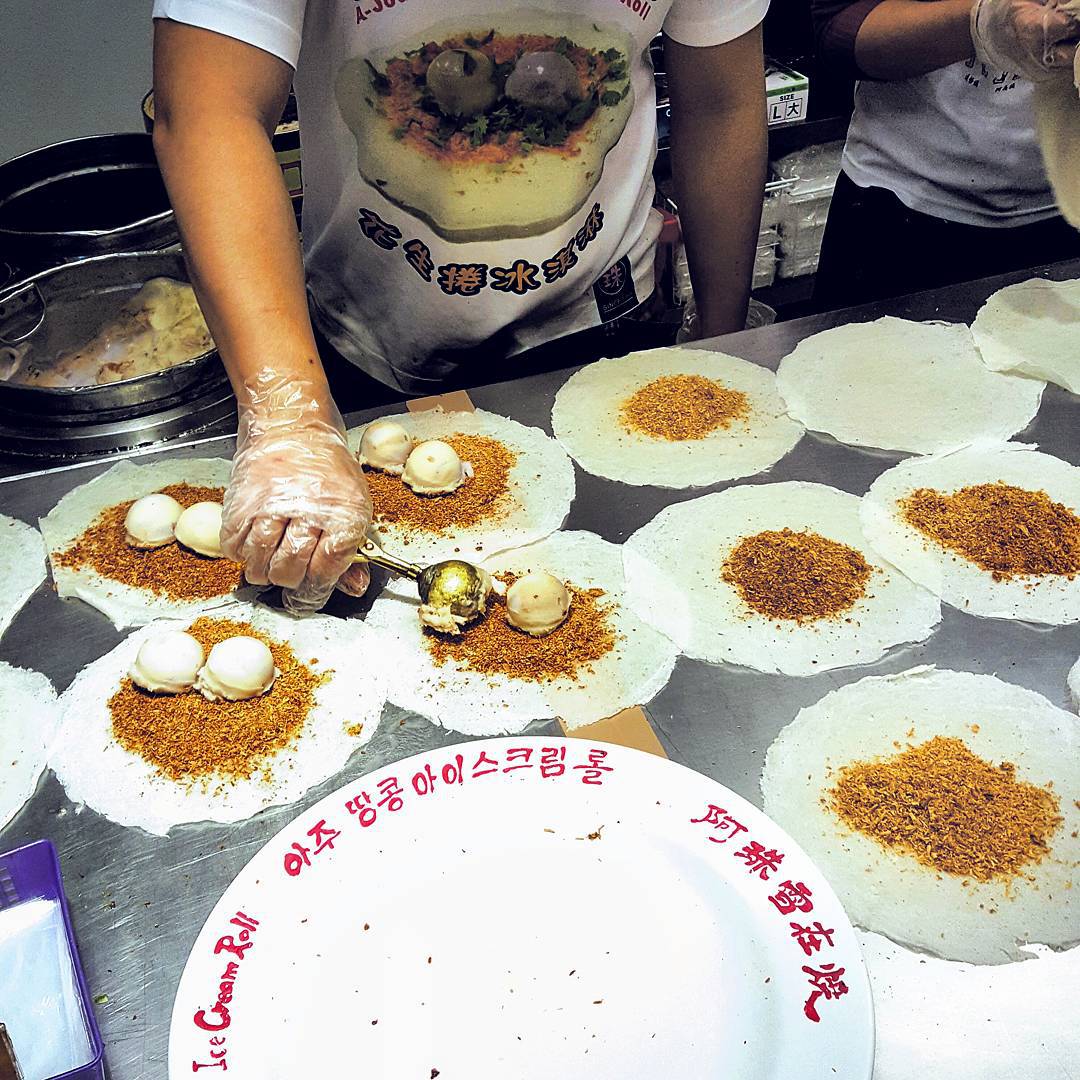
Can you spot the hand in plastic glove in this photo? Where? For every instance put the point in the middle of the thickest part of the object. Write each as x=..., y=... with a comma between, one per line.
x=297, y=505
x=1036, y=39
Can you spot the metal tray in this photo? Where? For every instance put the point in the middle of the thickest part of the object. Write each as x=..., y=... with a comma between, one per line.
x=63, y=306
x=139, y=901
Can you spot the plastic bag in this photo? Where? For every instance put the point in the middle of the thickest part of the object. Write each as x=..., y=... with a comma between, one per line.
x=39, y=995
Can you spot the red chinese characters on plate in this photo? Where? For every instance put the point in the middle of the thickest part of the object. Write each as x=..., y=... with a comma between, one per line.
x=811, y=937
x=791, y=897
x=759, y=859
x=827, y=983
x=721, y=820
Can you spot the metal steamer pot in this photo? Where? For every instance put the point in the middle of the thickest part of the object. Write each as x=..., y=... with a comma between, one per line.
x=62, y=307
x=80, y=198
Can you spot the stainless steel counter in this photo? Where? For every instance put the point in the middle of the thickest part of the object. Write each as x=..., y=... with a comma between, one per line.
x=138, y=901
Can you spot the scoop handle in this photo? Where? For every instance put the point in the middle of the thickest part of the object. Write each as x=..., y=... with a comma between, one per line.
x=370, y=552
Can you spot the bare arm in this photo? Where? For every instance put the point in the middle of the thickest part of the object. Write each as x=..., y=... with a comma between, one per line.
x=719, y=151
x=216, y=103
x=900, y=39
x=297, y=505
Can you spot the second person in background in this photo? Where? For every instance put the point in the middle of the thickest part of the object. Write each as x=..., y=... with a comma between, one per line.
x=942, y=178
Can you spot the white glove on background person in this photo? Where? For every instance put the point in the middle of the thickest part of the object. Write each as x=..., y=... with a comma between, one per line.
x=1036, y=39
x=297, y=506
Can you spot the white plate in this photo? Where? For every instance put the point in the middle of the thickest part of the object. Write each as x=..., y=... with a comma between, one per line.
x=550, y=921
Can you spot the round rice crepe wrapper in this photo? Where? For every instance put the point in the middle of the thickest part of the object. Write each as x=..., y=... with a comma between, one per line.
x=1074, y=684
x=585, y=419
x=29, y=718
x=125, y=604
x=674, y=566
x=1053, y=599
x=22, y=567
x=894, y=384
x=1033, y=328
x=540, y=488
x=929, y=1014
x=98, y=772
x=892, y=893
x=462, y=699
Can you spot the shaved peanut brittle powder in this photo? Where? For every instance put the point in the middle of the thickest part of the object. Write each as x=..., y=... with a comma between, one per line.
x=1007, y=530
x=682, y=407
x=170, y=571
x=949, y=808
x=187, y=737
x=800, y=576
x=481, y=498
x=494, y=647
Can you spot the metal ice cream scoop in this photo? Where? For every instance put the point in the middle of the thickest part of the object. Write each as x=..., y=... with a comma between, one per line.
x=454, y=585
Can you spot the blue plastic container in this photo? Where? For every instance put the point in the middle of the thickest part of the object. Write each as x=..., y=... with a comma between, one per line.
x=33, y=873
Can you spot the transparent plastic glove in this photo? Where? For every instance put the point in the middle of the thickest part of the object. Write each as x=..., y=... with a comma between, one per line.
x=297, y=505
x=1036, y=39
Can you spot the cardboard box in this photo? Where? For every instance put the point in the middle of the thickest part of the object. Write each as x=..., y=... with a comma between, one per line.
x=787, y=92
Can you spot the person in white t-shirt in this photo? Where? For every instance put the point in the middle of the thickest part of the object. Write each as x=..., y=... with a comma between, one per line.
x=477, y=181
x=942, y=178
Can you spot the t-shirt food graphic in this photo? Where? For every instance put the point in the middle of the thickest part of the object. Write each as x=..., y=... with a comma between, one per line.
x=493, y=129
x=478, y=175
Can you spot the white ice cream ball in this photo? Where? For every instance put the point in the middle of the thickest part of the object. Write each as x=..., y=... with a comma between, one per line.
x=385, y=445
x=537, y=603
x=237, y=668
x=151, y=521
x=199, y=528
x=167, y=663
x=433, y=468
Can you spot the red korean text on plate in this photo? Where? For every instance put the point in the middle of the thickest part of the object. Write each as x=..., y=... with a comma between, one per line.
x=299, y=855
x=391, y=794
